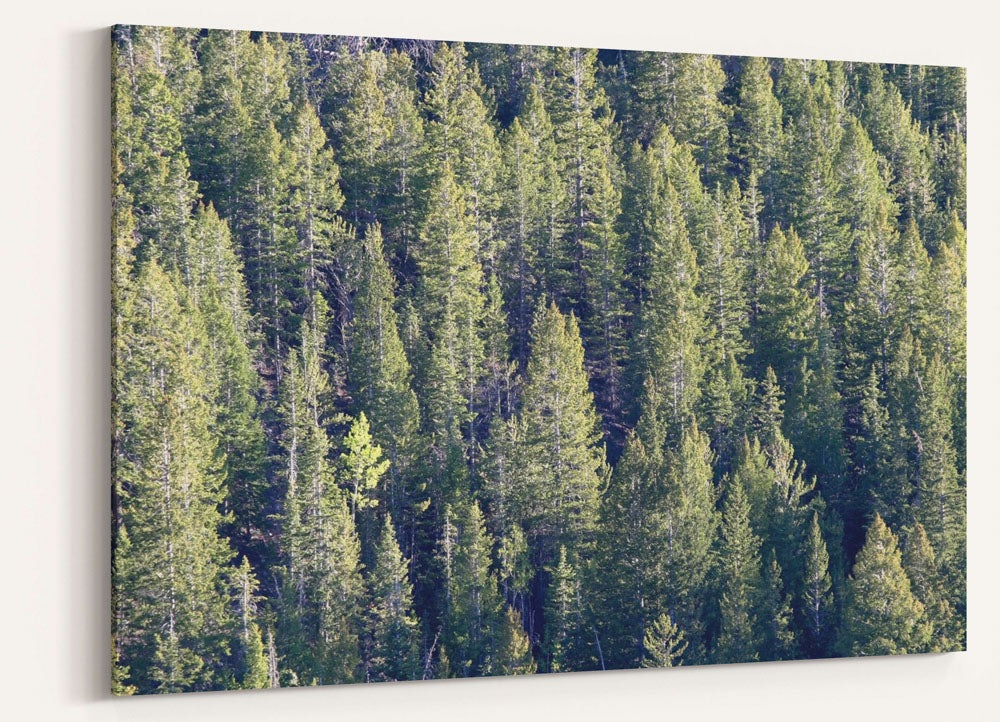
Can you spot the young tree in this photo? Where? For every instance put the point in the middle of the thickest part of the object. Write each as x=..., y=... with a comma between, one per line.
x=664, y=644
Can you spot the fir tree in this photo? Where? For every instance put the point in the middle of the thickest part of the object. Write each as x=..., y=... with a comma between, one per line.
x=394, y=630
x=921, y=567
x=739, y=572
x=560, y=456
x=380, y=377
x=775, y=615
x=817, y=600
x=170, y=557
x=664, y=644
x=881, y=615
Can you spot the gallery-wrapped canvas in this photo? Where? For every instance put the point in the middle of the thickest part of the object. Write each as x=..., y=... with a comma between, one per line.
x=435, y=359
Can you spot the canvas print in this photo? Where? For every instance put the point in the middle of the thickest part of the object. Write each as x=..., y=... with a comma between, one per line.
x=435, y=359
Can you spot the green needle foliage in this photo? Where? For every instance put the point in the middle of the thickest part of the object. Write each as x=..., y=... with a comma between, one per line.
x=445, y=360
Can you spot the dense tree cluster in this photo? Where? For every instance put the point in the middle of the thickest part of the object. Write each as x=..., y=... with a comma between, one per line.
x=441, y=360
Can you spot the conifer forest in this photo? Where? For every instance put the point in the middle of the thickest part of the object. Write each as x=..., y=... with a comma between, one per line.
x=446, y=360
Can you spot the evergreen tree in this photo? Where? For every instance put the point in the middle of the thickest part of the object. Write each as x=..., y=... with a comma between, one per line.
x=740, y=582
x=757, y=129
x=584, y=132
x=460, y=137
x=380, y=378
x=683, y=91
x=672, y=321
x=817, y=601
x=323, y=586
x=250, y=644
x=881, y=615
x=785, y=309
x=532, y=206
x=664, y=644
x=925, y=579
x=474, y=612
x=513, y=648
x=691, y=530
x=629, y=553
x=394, y=630
x=365, y=130
x=566, y=645
x=775, y=615
x=560, y=456
x=452, y=311
x=170, y=558
x=939, y=503
x=213, y=273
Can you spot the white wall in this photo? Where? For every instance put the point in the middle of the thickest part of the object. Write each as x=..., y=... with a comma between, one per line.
x=55, y=391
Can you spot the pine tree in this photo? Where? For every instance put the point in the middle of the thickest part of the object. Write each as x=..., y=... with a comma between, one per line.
x=812, y=188
x=365, y=130
x=460, y=137
x=785, y=310
x=214, y=276
x=452, y=309
x=881, y=615
x=939, y=503
x=603, y=266
x=323, y=586
x=313, y=201
x=532, y=196
x=394, y=629
x=672, y=321
x=757, y=129
x=584, y=132
x=664, y=644
x=155, y=164
x=817, y=600
x=683, y=91
x=560, y=455
x=631, y=538
x=250, y=644
x=380, y=379
x=170, y=557
x=691, y=524
x=740, y=582
x=474, y=611
x=775, y=614
x=566, y=646
x=513, y=648
x=402, y=207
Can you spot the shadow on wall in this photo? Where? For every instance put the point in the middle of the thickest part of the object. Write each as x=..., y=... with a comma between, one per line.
x=86, y=129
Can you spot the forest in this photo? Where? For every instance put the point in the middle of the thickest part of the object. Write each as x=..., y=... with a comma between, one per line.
x=434, y=359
